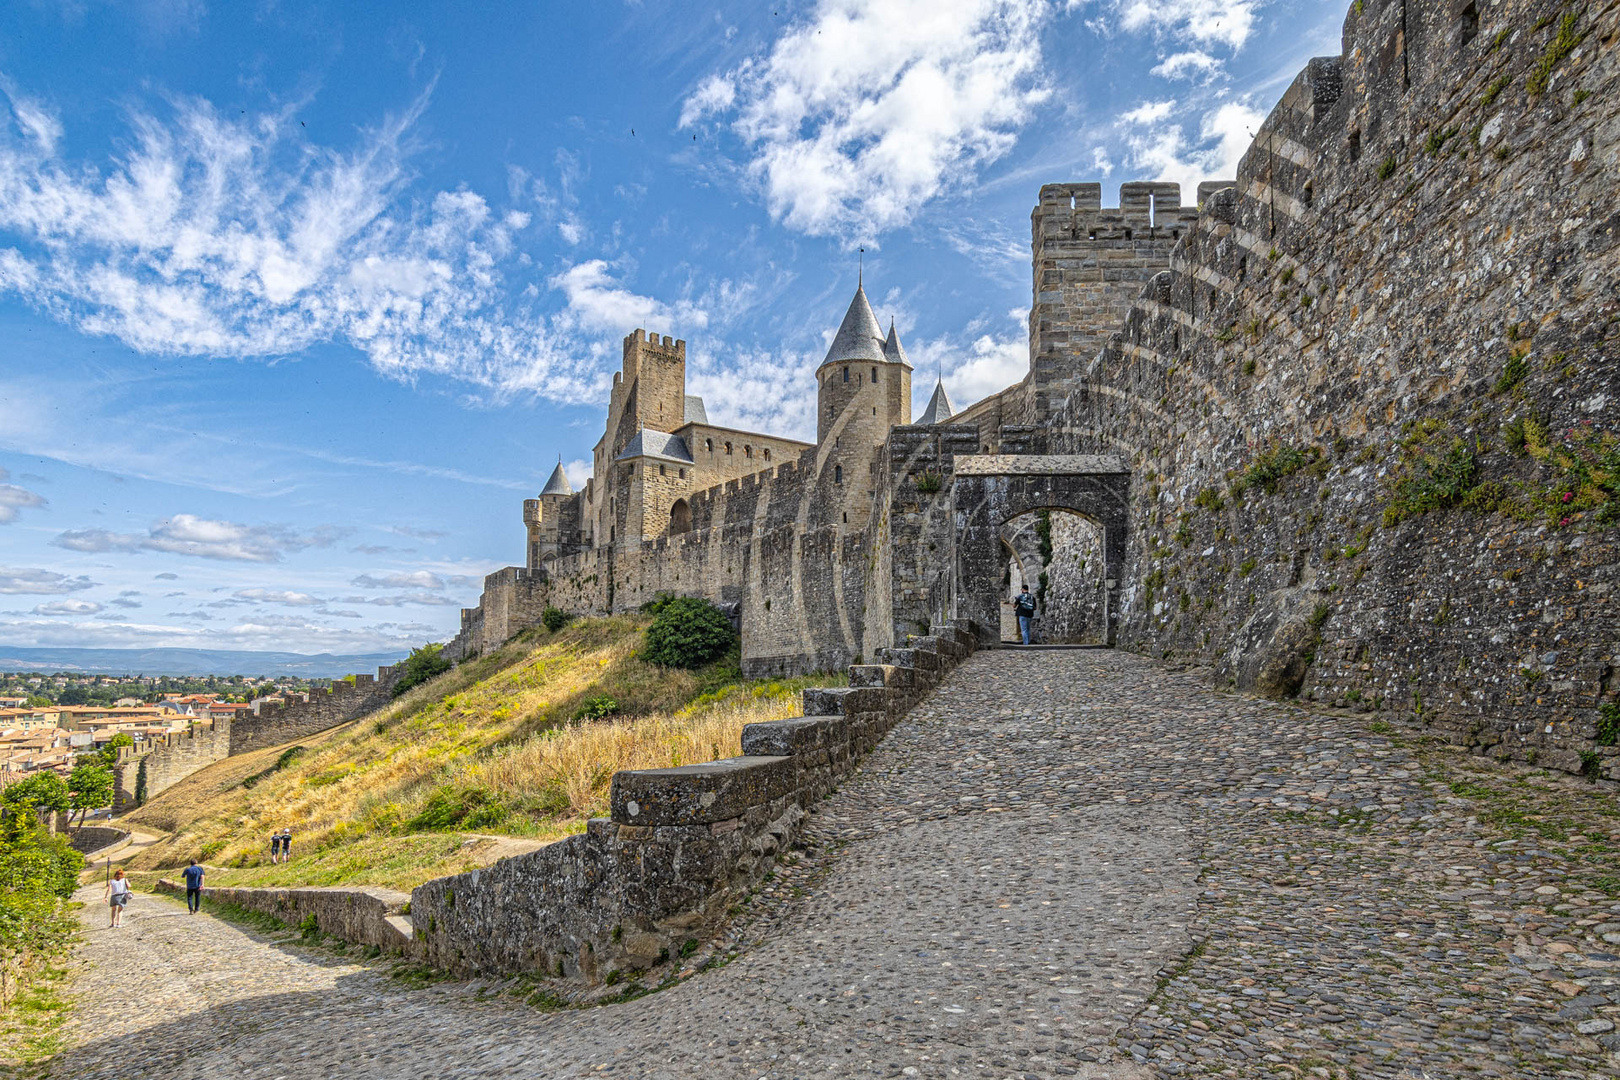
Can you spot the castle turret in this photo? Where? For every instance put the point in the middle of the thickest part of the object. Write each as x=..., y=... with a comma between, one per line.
x=544, y=517
x=939, y=406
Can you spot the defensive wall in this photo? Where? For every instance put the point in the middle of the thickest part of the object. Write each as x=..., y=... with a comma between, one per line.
x=1370, y=406
x=142, y=771
x=362, y=915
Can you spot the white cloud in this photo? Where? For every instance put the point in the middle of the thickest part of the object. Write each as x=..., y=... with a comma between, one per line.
x=427, y=599
x=1149, y=112
x=1187, y=65
x=598, y=304
x=1101, y=163
x=14, y=500
x=578, y=471
x=68, y=607
x=276, y=596
x=16, y=580
x=185, y=534
x=1208, y=22
x=867, y=109
x=1224, y=135
x=974, y=369
x=411, y=579
x=211, y=235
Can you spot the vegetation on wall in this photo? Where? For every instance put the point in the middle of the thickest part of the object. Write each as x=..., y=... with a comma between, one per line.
x=423, y=664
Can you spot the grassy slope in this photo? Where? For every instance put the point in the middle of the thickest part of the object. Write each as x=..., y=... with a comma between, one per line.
x=494, y=747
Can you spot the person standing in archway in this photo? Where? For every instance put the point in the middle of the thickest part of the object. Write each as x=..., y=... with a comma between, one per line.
x=1024, y=608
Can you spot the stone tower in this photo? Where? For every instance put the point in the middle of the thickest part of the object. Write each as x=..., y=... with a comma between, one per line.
x=544, y=518
x=863, y=390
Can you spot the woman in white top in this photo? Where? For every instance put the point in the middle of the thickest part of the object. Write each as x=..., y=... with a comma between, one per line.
x=117, y=896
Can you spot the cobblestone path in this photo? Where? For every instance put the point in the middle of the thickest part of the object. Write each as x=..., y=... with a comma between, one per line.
x=1063, y=864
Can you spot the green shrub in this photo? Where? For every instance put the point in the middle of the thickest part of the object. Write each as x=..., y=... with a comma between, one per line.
x=687, y=633
x=1608, y=730
x=658, y=603
x=1274, y=464
x=554, y=619
x=1562, y=44
x=452, y=808
x=598, y=707
x=38, y=873
x=1434, y=473
x=930, y=482
x=422, y=665
x=1513, y=373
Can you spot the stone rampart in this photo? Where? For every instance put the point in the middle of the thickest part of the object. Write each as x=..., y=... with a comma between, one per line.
x=273, y=723
x=680, y=843
x=1370, y=408
x=363, y=915
x=143, y=770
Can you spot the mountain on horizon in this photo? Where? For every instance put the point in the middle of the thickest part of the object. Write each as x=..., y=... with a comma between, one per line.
x=177, y=662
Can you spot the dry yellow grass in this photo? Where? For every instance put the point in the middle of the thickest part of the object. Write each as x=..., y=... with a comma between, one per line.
x=491, y=747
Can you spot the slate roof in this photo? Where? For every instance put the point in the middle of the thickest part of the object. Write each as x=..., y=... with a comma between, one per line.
x=859, y=337
x=939, y=406
x=892, y=349
x=695, y=412
x=558, y=484
x=657, y=444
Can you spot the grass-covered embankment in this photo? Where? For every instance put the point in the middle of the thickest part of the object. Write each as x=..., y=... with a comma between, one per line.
x=520, y=743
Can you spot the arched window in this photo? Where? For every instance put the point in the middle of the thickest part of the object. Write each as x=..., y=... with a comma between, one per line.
x=708, y=444
x=767, y=453
x=874, y=375
x=663, y=470
x=680, y=517
x=748, y=451
x=838, y=474
x=728, y=448
x=683, y=474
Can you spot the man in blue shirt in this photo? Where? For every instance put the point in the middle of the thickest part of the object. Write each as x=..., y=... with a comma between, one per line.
x=1024, y=608
x=193, y=875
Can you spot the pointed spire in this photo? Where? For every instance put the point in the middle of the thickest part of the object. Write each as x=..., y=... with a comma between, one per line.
x=939, y=406
x=893, y=351
x=859, y=336
x=558, y=484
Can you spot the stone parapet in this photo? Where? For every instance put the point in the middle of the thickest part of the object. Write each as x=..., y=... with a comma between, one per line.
x=681, y=843
x=363, y=915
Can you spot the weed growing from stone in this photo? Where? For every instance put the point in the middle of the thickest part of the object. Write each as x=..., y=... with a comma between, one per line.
x=1562, y=44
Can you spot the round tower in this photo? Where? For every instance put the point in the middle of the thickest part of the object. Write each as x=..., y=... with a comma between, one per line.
x=865, y=376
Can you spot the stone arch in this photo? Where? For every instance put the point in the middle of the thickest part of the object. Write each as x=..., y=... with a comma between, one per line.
x=680, y=517
x=1058, y=554
x=990, y=490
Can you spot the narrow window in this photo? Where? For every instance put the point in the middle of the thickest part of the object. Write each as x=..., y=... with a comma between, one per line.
x=728, y=448
x=767, y=454
x=662, y=471
x=846, y=517
x=846, y=373
x=838, y=474
x=708, y=444
x=874, y=375
x=683, y=474
x=1355, y=145
x=748, y=451
x=1467, y=24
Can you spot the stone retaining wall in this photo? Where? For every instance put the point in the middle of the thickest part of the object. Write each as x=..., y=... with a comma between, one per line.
x=362, y=915
x=680, y=845
x=98, y=840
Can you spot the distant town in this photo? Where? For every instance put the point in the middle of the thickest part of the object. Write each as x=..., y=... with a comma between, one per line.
x=48, y=720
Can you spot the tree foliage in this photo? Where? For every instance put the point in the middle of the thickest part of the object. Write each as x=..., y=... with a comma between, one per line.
x=688, y=633
x=90, y=787
x=42, y=793
x=38, y=872
x=423, y=664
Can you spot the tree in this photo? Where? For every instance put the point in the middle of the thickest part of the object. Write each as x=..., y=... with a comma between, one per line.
x=90, y=786
x=423, y=664
x=39, y=701
x=688, y=633
x=109, y=753
x=43, y=793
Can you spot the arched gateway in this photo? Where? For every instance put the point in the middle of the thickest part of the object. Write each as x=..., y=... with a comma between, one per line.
x=989, y=490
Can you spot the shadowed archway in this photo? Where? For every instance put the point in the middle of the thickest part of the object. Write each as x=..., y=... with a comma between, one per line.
x=990, y=490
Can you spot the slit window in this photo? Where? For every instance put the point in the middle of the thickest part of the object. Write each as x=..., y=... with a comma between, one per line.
x=838, y=474
x=846, y=373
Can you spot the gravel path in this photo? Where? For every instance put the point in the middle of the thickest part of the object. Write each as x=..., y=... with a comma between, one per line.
x=1063, y=864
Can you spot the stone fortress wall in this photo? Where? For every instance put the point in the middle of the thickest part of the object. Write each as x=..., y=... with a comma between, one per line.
x=1367, y=403
x=1364, y=392
x=142, y=771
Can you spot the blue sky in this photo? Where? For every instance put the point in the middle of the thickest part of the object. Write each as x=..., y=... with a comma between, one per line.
x=298, y=300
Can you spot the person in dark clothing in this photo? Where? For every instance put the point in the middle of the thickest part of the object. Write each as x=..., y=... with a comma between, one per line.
x=194, y=877
x=1024, y=608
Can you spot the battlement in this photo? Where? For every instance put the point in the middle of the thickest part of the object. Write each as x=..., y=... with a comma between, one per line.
x=648, y=341
x=1143, y=205
x=531, y=511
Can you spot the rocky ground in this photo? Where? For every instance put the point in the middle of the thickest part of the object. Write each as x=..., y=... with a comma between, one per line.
x=1063, y=864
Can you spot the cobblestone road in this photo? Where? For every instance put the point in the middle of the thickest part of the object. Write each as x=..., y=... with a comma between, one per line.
x=1063, y=864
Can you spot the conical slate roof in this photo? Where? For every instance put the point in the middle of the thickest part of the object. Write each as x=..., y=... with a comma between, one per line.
x=892, y=349
x=859, y=337
x=939, y=406
x=558, y=484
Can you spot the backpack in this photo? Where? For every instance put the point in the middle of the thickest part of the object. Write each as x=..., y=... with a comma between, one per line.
x=1025, y=604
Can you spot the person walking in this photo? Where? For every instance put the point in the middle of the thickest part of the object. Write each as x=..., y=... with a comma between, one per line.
x=275, y=848
x=286, y=845
x=1024, y=608
x=194, y=878
x=117, y=896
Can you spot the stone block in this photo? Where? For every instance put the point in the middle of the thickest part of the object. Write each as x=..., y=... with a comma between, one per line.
x=845, y=700
x=698, y=794
x=792, y=738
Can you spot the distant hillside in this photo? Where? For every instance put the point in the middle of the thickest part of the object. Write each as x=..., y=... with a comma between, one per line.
x=190, y=662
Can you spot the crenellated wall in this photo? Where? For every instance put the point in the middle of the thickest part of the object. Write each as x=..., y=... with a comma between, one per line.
x=143, y=770
x=272, y=723
x=1371, y=405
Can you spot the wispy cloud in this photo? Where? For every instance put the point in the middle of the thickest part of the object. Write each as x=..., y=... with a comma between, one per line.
x=14, y=500
x=185, y=534
x=68, y=607
x=16, y=580
x=1165, y=151
x=234, y=237
x=411, y=579
x=865, y=110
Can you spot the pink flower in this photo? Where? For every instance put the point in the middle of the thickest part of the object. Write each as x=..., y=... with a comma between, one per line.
x=1568, y=495
x=1563, y=521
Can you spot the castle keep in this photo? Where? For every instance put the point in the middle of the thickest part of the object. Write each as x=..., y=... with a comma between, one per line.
x=1341, y=427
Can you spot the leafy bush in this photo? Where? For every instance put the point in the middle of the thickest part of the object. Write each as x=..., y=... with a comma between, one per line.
x=554, y=619
x=598, y=707
x=930, y=482
x=1435, y=472
x=38, y=872
x=1274, y=464
x=688, y=633
x=658, y=603
x=1608, y=730
x=422, y=665
x=43, y=793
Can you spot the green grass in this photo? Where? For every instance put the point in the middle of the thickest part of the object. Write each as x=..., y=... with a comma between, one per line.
x=31, y=1027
